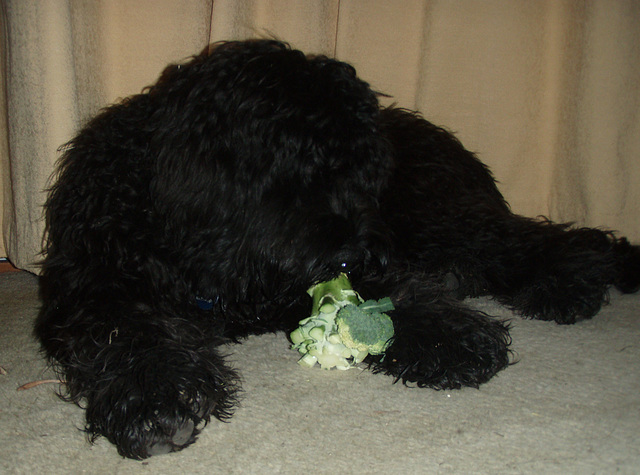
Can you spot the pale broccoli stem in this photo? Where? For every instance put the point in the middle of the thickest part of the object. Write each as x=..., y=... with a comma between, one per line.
x=336, y=292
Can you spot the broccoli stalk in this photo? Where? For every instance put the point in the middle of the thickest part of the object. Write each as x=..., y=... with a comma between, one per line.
x=342, y=329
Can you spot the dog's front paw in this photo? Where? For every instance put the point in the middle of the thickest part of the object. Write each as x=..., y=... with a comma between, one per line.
x=448, y=352
x=159, y=404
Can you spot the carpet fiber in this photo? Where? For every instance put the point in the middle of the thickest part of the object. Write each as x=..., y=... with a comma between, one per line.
x=570, y=405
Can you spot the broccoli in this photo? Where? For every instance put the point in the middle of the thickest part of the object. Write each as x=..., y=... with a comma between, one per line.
x=342, y=329
x=365, y=327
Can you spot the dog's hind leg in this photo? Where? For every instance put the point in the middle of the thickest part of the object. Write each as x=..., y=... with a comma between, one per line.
x=552, y=271
x=540, y=269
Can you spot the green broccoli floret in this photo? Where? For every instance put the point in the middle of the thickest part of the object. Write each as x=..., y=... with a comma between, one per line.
x=342, y=329
x=365, y=327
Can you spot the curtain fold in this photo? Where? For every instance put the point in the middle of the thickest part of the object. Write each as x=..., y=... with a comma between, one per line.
x=545, y=92
x=40, y=111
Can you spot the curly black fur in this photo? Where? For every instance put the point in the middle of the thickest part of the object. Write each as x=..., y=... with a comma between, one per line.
x=247, y=175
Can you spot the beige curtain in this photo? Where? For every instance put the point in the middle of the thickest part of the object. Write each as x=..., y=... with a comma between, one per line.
x=546, y=92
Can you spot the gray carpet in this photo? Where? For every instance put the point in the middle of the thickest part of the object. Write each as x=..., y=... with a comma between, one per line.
x=571, y=405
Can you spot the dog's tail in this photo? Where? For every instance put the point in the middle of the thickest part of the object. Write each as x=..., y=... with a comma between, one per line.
x=628, y=256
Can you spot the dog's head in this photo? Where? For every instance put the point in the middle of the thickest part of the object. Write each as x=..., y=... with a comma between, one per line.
x=270, y=164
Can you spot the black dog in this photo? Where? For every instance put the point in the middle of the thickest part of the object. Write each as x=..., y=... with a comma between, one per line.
x=246, y=176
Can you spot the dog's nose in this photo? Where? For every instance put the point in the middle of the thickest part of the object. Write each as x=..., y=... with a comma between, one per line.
x=345, y=267
x=353, y=261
